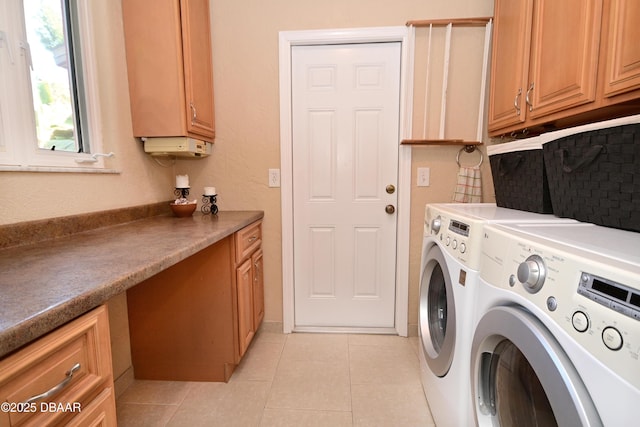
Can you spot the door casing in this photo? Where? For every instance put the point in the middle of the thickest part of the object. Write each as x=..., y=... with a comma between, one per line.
x=287, y=39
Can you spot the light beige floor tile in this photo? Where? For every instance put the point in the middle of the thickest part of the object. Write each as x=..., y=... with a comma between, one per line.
x=240, y=403
x=259, y=362
x=415, y=344
x=294, y=380
x=323, y=347
x=311, y=384
x=156, y=392
x=267, y=336
x=388, y=405
x=384, y=364
x=299, y=418
x=381, y=340
x=245, y=403
x=142, y=415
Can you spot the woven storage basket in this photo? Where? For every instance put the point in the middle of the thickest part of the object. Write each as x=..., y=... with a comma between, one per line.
x=519, y=176
x=594, y=176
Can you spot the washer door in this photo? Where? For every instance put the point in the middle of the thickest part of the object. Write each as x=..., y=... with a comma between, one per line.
x=437, y=313
x=521, y=376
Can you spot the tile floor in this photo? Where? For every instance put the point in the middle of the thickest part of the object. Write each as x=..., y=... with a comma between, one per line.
x=295, y=380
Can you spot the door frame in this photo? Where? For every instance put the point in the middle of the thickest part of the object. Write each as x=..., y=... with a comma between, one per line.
x=287, y=39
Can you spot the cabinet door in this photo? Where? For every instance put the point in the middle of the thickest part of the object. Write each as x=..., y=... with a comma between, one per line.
x=245, y=305
x=564, y=55
x=258, y=288
x=509, y=62
x=155, y=67
x=622, y=71
x=198, y=69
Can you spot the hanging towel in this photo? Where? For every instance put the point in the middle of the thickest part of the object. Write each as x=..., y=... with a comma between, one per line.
x=469, y=185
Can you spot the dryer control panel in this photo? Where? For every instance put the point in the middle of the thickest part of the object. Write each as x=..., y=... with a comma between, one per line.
x=461, y=238
x=585, y=298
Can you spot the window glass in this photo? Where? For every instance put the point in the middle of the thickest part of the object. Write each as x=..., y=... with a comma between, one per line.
x=53, y=75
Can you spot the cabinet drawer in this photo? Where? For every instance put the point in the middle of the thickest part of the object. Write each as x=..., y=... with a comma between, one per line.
x=247, y=240
x=72, y=363
x=98, y=413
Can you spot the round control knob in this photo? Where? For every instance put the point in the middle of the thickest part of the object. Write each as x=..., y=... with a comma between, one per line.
x=436, y=223
x=448, y=241
x=455, y=244
x=612, y=338
x=580, y=321
x=463, y=248
x=552, y=303
x=532, y=274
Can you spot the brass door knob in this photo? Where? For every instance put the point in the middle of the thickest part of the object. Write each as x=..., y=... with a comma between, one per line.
x=391, y=189
x=390, y=209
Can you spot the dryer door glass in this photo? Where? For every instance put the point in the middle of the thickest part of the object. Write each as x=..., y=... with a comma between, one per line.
x=437, y=308
x=437, y=313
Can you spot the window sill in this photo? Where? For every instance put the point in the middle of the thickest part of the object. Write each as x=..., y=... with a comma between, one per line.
x=57, y=169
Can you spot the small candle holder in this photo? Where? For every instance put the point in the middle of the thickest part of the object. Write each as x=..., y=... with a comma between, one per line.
x=181, y=192
x=209, y=204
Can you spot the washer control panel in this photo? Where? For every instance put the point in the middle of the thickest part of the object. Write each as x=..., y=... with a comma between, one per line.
x=611, y=294
x=532, y=273
x=576, y=293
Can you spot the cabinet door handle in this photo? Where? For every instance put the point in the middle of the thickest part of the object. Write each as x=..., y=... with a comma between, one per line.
x=252, y=239
x=55, y=389
x=516, y=101
x=194, y=113
x=528, y=99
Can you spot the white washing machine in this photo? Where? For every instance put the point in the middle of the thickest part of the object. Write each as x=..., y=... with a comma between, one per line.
x=557, y=327
x=450, y=263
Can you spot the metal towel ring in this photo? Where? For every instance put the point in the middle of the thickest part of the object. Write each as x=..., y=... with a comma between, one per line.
x=469, y=150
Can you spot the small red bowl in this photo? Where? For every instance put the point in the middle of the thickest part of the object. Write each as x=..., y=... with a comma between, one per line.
x=183, y=211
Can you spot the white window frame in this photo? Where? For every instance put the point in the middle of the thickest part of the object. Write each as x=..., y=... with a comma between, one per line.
x=18, y=142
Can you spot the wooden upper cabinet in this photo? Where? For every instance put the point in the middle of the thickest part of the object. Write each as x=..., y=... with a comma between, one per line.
x=510, y=62
x=564, y=55
x=168, y=47
x=622, y=66
x=198, y=68
x=555, y=62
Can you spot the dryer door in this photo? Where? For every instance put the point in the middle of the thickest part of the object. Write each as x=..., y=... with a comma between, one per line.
x=437, y=313
x=521, y=376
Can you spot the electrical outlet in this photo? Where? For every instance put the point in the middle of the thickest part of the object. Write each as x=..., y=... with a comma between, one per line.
x=274, y=177
x=423, y=177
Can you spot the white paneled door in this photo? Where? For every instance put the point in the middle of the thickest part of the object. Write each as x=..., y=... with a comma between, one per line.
x=346, y=109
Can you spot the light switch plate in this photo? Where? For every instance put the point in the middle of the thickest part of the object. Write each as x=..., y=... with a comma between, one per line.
x=423, y=177
x=274, y=177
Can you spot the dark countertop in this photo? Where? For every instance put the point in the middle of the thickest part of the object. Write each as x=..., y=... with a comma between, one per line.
x=44, y=285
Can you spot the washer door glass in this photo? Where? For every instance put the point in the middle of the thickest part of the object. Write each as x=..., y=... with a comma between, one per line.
x=515, y=389
x=437, y=313
x=522, y=377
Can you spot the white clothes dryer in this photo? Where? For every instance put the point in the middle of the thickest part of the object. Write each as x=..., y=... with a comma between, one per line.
x=557, y=327
x=451, y=254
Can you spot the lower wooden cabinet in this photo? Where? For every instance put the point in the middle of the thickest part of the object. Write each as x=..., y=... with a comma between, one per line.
x=246, y=328
x=181, y=321
x=64, y=378
x=195, y=320
x=258, y=288
x=99, y=413
x=250, y=283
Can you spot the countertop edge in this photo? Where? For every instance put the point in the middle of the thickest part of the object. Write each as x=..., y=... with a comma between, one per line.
x=30, y=329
